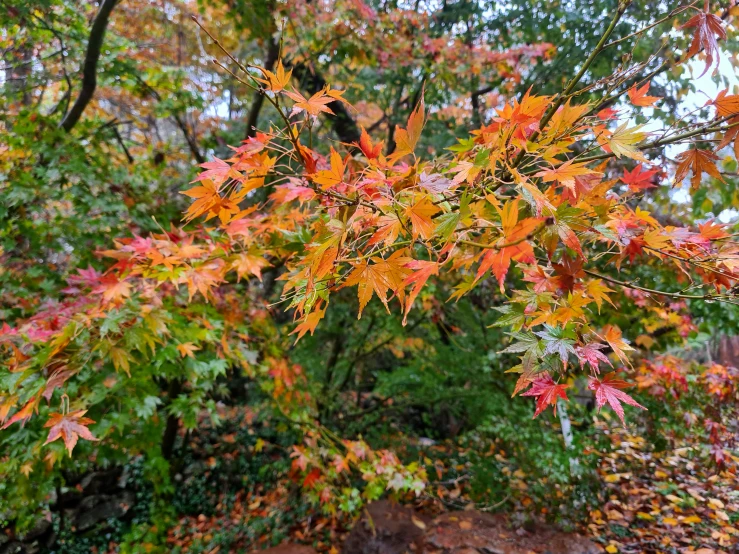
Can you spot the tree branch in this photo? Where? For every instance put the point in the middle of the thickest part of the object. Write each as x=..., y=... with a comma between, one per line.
x=89, y=68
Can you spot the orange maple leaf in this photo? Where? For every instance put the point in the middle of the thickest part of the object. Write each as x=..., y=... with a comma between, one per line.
x=328, y=178
x=420, y=214
x=612, y=335
x=187, y=349
x=249, y=264
x=309, y=323
x=276, y=81
x=498, y=258
x=565, y=174
x=638, y=96
x=699, y=161
x=371, y=151
x=316, y=104
x=379, y=277
x=70, y=428
x=726, y=104
x=423, y=270
x=406, y=139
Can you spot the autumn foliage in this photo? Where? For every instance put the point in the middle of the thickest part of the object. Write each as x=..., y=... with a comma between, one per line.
x=547, y=212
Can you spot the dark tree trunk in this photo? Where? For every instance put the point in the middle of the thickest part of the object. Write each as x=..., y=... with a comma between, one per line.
x=173, y=422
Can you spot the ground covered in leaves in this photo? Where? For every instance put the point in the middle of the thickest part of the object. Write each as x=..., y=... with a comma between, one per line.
x=670, y=501
x=236, y=491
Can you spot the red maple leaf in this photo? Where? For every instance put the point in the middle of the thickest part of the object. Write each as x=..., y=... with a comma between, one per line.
x=707, y=28
x=591, y=354
x=608, y=391
x=312, y=478
x=546, y=392
x=638, y=179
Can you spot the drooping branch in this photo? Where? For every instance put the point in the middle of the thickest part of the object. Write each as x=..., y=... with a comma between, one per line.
x=89, y=67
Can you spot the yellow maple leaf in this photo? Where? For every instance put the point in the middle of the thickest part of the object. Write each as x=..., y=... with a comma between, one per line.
x=622, y=142
x=278, y=80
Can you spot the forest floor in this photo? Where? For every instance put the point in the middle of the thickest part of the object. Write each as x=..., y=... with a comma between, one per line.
x=649, y=502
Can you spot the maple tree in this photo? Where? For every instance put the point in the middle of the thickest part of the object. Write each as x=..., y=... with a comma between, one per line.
x=552, y=210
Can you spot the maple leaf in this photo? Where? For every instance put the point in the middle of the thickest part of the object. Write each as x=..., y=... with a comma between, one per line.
x=378, y=277
x=422, y=271
x=203, y=278
x=69, y=427
x=638, y=179
x=276, y=81
x=591, y=354
x=557, y=342
x=622, y=142
x=309, y=323
x=85, y=277
x=249, y=264
x=371, y=151
x=294, y=189
x=599, y=292
x=565, y=173
x=568, y=270
x=434, y=182
x=656, y=238
x=699, y=161
x=316, y=104
x=571, y=309
x=406, y=139
x=498, y=258
x=606, y=114
x=21, y=415
x=113, y=289
x=638, y=96
x=420, y=214
x=465, y=172
x=388, y=229
x=712, y=230
x=328, y=178
x=312, y=478
x=206, y=197
x=608, y=390
x=726, y=104
x=707, y=28
x=121, y=359
x=546, y=392
x=532, y=350
x=340, y=463
x=187, y=349
x=612, y=335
